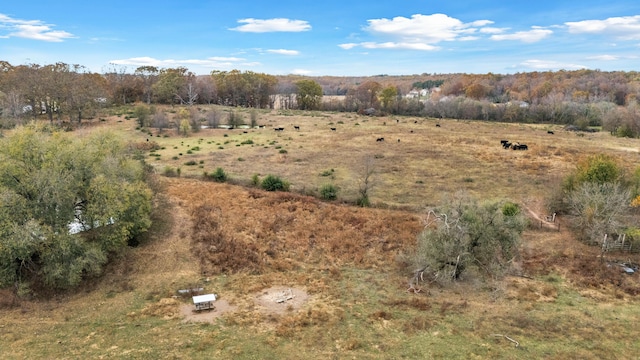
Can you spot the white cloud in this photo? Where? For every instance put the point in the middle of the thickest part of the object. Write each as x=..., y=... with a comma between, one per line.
x=272, y=25
x=550, y=65
x=32, y=29
x=603, y=57
x=624, y=28
x=421, y=32
x=348, y=46
x=534, y=35
x=428, y=29
x=398, y=45
x=492, y=30
x=284, y=52
x=215, y=61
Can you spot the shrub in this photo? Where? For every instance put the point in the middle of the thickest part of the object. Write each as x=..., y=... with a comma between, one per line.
x=328, y=192
x=510, y=209
x=247, y=142
x=282, y=151
x=191, y=163
x=255, y=180
x=218, y=176
x=169, y=172
x=327, y=173
x=274, y=183
x=467, y=236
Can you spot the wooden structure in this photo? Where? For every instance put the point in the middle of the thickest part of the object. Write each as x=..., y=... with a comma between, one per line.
x=204, y=302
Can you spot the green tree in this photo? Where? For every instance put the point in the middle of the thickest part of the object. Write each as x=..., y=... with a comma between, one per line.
x=142, y=113
x=169, y=83
x=599, y=169
x=65, y=205
x=388, y=97
x=469, y=237
x=308, y=95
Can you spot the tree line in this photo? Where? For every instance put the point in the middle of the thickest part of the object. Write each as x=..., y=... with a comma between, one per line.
x=585, y=98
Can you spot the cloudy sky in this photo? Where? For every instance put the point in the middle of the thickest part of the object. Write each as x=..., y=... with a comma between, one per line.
x=327, y=37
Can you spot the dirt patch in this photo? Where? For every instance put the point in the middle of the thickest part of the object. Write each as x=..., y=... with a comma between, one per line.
x=281, y=299
x=276, y=300
x=221, y=307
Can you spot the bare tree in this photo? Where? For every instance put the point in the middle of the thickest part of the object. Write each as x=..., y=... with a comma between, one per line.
x=213, y=118
x=160, y=121
x=366, y=181
x=190, y=95
x=598, y=209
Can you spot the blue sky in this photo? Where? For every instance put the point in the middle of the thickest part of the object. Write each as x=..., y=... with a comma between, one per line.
x=328, y=37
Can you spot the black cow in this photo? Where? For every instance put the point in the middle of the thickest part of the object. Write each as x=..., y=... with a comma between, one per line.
x=296, y=127
x=549, y=132
x=437, y=125
x=333, y=129
x=380, y=139
x=278, y=129
x=518, y=146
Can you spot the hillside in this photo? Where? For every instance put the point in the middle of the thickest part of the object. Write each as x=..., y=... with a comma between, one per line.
x=346, y=266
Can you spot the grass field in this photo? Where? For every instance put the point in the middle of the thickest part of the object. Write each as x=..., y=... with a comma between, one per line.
x=561, y=302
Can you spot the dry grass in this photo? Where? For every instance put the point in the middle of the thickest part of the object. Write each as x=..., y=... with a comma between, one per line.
x=238, y=241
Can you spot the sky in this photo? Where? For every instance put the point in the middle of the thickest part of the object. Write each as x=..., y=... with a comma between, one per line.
x=326, y=37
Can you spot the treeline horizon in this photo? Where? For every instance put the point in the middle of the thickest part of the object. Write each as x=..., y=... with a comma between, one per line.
x=584, y=98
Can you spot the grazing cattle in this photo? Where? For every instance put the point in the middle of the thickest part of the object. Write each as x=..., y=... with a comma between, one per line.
x=278, y=129
x=415, y=122
x=505, y=144
x=437, y=125
x=380, y=139
x=549, y=132
x=296, y=127
x=518, y=146
x=245, y=132
x=398, y=140
x=411, y=131
x=397, y=121
x=333, y=129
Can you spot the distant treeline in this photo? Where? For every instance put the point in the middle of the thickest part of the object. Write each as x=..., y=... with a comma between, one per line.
x=583, y=97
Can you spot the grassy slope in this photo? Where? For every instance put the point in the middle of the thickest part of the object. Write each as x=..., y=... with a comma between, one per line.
x=346, y=258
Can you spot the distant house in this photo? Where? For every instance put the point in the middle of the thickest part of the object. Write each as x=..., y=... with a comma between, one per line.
x=417, y=93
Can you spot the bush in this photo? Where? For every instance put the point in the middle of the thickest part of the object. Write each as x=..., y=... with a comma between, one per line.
x=255, y=180
x=274, y=183
x=218, y=176
x=191, y=163
x=169, y=172
x=328, y=192
x=469, y=237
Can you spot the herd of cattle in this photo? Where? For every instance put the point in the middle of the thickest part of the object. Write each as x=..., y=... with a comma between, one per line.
x=506, y=144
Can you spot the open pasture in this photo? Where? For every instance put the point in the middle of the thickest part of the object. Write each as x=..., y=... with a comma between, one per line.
x=415, y=165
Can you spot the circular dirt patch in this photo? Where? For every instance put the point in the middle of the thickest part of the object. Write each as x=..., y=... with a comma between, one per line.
x=281, y=299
